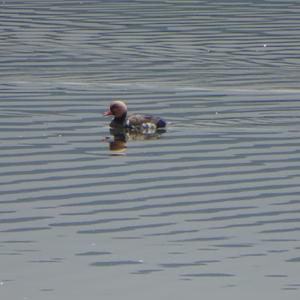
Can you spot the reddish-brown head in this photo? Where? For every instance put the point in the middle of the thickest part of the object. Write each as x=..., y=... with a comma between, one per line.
x=117, y=109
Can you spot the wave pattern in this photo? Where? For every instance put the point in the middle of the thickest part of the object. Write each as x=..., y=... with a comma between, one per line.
x=213, y=203
x=201, y=42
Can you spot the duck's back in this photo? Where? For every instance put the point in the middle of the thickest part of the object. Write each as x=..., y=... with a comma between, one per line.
x=138, y=120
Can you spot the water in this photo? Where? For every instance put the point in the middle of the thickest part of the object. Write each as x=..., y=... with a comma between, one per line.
x=210, y=208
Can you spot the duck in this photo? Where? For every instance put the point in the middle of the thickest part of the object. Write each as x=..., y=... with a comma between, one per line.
x=133, y=122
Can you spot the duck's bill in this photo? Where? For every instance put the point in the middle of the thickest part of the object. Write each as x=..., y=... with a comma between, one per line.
x=107, y=113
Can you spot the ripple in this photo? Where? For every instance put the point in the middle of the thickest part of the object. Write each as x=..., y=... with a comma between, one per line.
x=215, y=197
x=93, y=253
x=213, y=275
x=115, y=263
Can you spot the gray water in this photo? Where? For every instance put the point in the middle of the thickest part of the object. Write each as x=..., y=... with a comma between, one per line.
x=208, y=210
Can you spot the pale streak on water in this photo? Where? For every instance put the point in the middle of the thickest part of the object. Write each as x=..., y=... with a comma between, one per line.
x=211, y=209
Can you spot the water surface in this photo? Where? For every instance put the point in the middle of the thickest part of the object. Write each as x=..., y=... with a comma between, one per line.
x=210, y=208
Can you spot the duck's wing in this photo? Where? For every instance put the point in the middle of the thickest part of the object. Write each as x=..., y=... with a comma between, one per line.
x=137, y=120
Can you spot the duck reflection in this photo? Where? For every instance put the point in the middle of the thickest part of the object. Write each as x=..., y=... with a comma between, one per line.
x=120, y=136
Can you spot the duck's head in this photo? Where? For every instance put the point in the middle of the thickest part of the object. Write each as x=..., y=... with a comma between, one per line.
x=117, y=109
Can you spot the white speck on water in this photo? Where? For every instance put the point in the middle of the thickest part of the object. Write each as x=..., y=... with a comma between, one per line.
x=265, y=45
x=140, y=261
x=1, y=283
x=216, y=112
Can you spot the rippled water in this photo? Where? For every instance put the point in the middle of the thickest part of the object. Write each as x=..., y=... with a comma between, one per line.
x=209, y=209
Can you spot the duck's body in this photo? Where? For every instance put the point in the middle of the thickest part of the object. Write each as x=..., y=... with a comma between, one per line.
x=137, y=122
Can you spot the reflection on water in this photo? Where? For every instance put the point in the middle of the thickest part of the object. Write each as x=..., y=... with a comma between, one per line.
x=121, y=136
x=209, y=207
